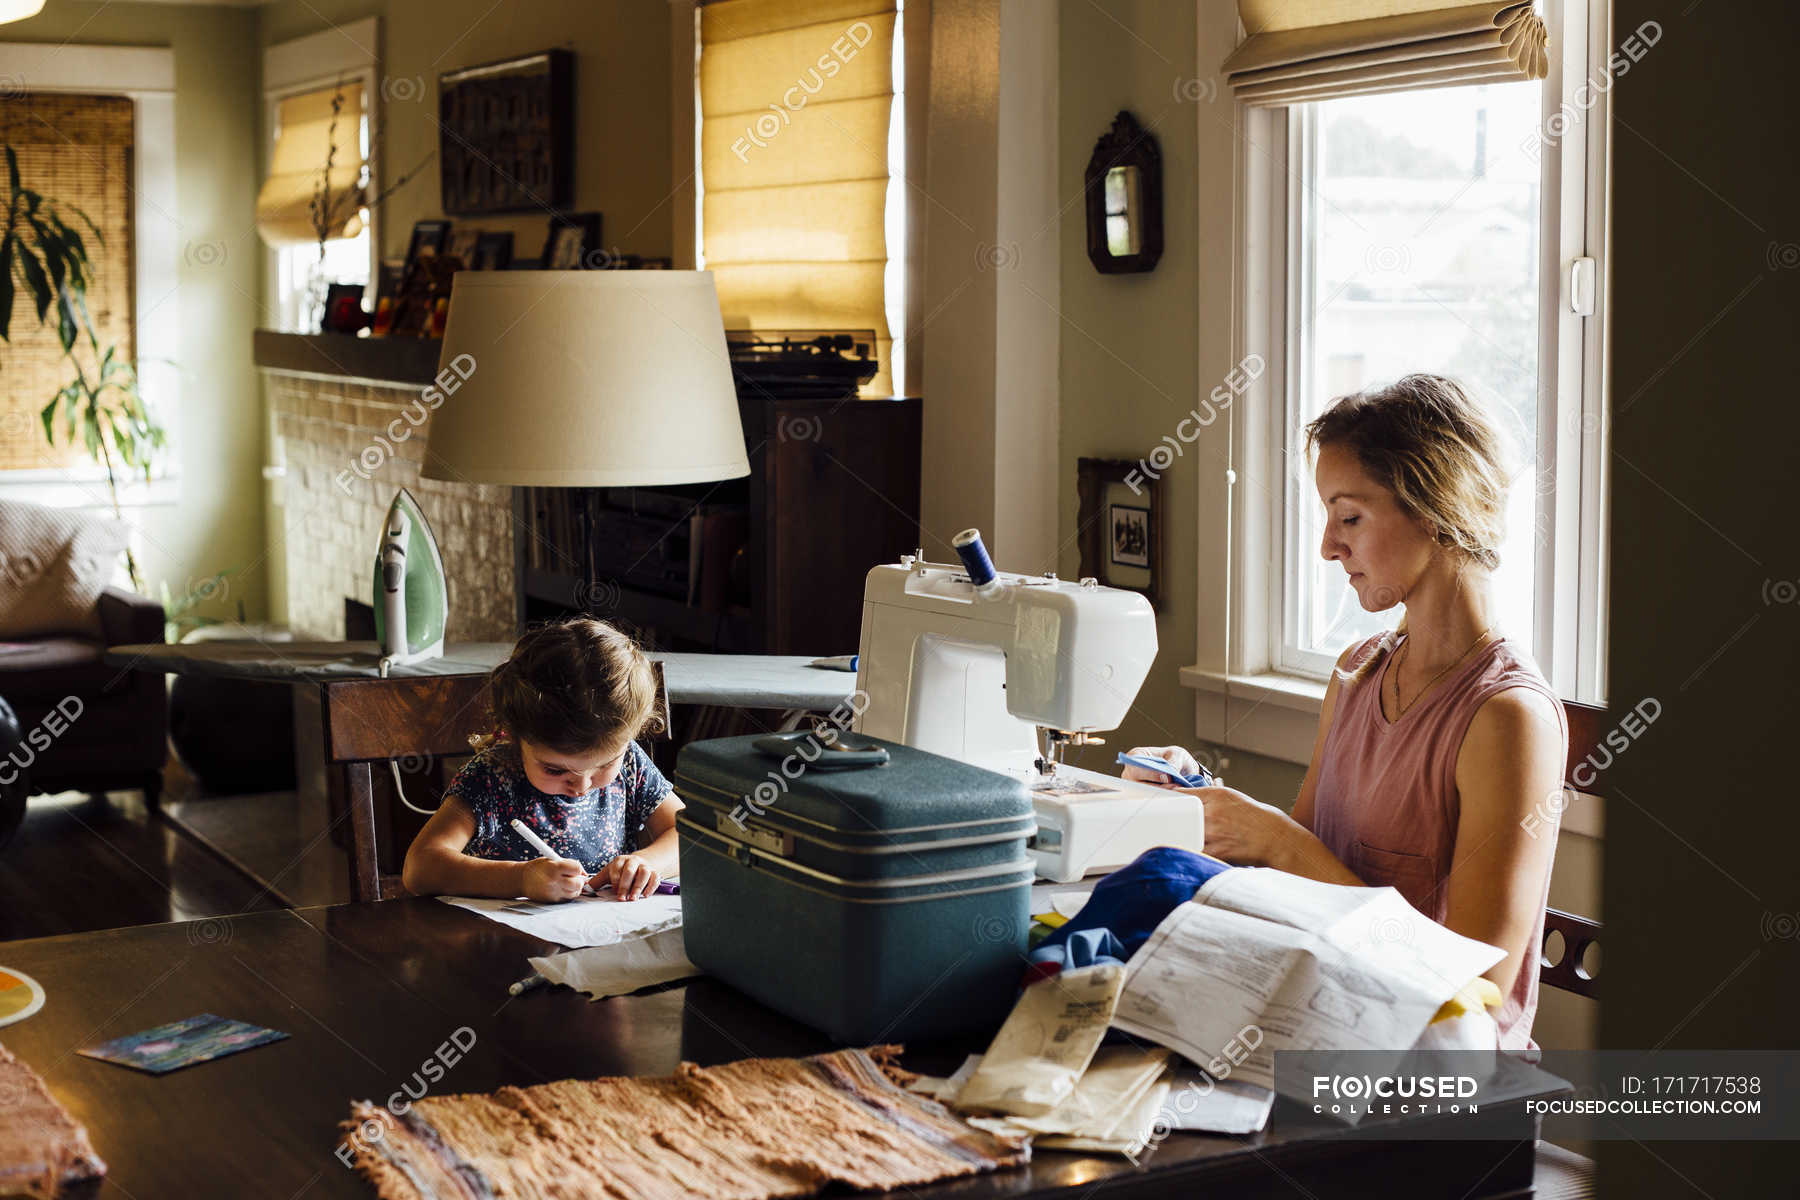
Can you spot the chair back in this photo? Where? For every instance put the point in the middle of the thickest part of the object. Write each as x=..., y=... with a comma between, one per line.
x=416, y=718
x=1587, y=725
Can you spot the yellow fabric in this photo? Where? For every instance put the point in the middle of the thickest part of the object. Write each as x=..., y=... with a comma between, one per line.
x=796, y=100
x=1478, y=994
x=1326, y=50
x=284, y=206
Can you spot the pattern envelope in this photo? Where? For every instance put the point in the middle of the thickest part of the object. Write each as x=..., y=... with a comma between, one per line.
x=757, y=1128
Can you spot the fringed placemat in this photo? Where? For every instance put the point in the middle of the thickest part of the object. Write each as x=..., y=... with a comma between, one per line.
x=756, y=1128
x=42, y=1148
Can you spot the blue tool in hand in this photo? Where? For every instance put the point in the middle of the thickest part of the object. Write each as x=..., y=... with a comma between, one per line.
x=1201, y=779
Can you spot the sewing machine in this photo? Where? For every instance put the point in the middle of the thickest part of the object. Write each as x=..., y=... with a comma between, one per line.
x=1005, y=672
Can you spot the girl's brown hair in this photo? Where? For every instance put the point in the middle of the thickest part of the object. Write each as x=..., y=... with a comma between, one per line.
x=572, y=686
x=1424, y=440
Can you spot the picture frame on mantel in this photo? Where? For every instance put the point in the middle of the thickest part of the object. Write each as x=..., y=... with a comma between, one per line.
x=506, y=135
x=1119, y=526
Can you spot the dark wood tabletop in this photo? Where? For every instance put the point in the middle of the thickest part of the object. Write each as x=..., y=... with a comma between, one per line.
x=369, y=992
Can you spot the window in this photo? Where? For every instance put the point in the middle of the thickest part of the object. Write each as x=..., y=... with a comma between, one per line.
x=304, y=269
x=76, y=151
x=319, y=97
x=801, y=148
x=1417, y=224
x=1433, y=231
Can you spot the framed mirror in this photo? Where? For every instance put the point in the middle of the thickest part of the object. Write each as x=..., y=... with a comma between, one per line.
x=1124, y=199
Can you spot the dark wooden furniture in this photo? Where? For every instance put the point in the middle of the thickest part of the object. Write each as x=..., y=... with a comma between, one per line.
x=369, y=992
x=833, y=490
x=369, y=722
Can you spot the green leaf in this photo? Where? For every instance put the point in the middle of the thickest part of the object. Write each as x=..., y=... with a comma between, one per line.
x=41, y=295
x=65, y=321
x=6, y=286
x=48, y=416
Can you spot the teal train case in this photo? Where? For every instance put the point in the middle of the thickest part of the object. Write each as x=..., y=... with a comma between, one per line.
x=873, y=891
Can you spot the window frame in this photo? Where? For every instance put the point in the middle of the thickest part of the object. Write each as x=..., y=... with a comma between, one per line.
x=309, y=64
x=1568, y=622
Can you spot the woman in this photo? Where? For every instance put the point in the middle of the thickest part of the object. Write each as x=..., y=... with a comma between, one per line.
x=1439, y=740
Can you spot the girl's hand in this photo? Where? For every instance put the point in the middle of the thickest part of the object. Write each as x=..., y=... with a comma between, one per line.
x=1179, y=760
x=631, y=876
x=1244, y=831
x=552, y=879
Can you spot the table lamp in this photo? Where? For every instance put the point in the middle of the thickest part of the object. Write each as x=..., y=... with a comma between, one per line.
x=569, y=379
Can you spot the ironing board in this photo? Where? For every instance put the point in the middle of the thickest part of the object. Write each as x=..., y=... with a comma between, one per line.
x=707, y=682
x=729, y=680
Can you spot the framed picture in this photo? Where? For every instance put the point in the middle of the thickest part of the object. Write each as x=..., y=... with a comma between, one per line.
x=343, y=309
x=462, y=245
x=493, y=252
x=429, y=238
x=387, y=291
x=506, y=135
x=1119, y=525
x=570, y=238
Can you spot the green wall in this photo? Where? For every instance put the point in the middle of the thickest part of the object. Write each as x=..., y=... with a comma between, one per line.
x=216, y=422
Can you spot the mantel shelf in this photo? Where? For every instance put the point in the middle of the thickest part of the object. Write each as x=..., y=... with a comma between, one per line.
x=407, y=361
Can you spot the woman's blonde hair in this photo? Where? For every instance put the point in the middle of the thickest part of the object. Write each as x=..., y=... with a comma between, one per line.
x=1426, y=441
x=571, y=686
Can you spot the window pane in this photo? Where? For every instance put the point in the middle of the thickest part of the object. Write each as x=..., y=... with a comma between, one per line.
x=1420, y=253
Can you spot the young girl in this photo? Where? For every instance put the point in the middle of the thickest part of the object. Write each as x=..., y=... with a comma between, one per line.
x=567, y=707
x=1437, y=766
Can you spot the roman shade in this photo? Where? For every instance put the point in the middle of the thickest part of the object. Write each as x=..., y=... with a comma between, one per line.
x=796, y=98
x=308, y=130
x=1297, y=51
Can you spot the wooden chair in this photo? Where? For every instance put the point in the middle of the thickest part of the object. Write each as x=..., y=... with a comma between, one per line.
x=370, y=721
x=1587, y=725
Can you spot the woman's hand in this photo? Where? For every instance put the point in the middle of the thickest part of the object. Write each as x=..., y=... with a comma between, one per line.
x=631, y=876
x=551, y=879
x=1179, y=760
x=1244, y=831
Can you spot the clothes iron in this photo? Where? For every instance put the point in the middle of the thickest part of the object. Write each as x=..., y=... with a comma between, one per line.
x=412, y=599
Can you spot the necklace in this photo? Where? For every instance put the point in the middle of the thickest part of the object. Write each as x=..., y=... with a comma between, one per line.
x=1399, y=709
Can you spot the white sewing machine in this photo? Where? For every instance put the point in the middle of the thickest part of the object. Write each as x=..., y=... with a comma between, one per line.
x=1004, y=671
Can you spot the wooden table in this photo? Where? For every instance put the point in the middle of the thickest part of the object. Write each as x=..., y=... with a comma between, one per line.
x=368, y=992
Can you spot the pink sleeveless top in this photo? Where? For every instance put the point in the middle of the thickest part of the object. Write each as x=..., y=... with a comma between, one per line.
x=1386, y=802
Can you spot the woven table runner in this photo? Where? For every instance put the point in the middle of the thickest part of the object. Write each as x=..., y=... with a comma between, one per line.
x=42, y=1147
x=756, y=1128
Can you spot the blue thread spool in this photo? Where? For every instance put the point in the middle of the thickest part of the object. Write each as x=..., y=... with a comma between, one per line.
x=975, y=559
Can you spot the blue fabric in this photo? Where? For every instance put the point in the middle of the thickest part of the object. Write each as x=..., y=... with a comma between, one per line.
x=1083, y=948
x=590, y=828
x=1129, y=904
x=1201, y=778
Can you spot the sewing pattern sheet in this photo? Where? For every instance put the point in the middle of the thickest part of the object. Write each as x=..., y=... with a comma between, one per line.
x=1261, y=961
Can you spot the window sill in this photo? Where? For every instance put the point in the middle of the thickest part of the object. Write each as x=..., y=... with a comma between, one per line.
x=1278, y=716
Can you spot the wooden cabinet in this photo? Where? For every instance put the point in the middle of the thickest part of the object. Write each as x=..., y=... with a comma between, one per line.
x=772, y=563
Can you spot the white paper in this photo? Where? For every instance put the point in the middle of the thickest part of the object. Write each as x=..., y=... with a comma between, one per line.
x=623, y=967
x=1106, y=1093
x=1261, y=961
x=1046, y=1043
x=1200, y=1103
x=1069, y=903
x=1129, y=1134
x=583, y=921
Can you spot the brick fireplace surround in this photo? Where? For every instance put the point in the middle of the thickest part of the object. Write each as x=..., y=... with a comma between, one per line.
x=334, y=435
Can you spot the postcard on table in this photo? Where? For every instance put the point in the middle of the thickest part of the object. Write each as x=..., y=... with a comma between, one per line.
x=182, y=1043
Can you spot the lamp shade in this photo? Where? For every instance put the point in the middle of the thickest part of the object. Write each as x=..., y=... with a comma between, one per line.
x=585, y=379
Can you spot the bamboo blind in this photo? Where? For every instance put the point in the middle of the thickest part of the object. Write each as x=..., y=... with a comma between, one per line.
x=796, y=97
x=76, y=152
